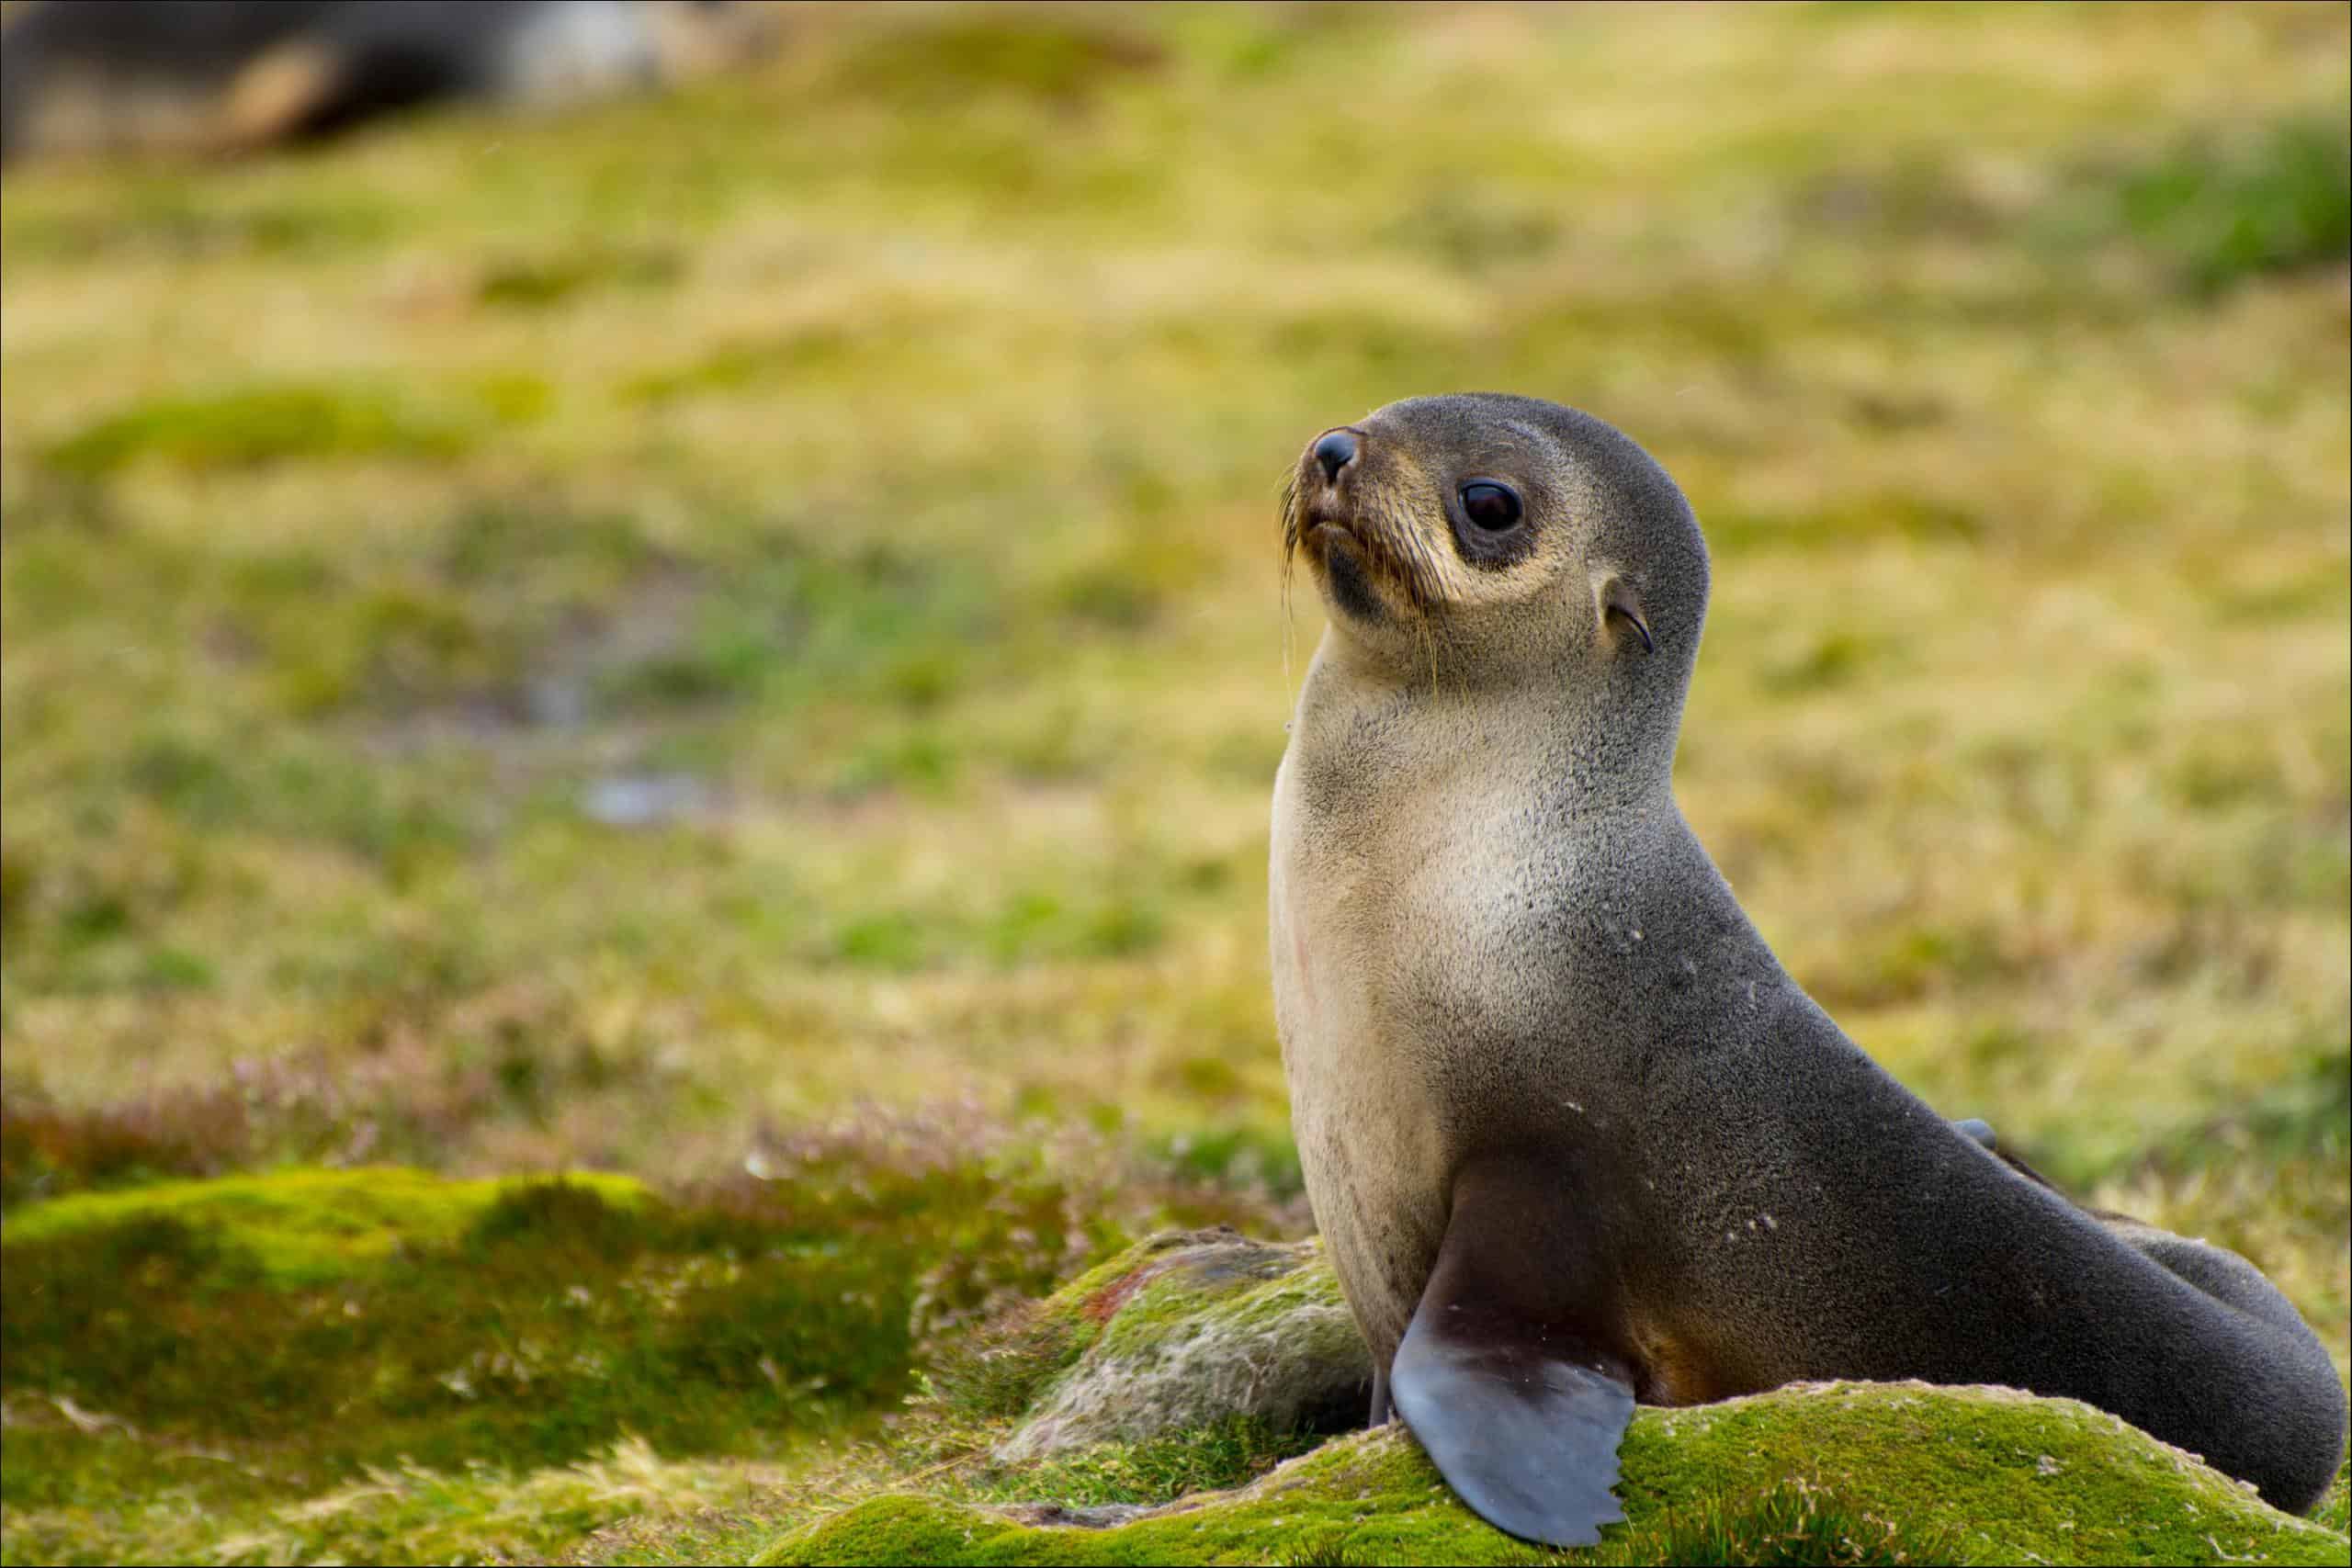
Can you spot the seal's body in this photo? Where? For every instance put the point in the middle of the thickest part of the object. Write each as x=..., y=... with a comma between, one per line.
x=1573, y=1136
x=228, y=75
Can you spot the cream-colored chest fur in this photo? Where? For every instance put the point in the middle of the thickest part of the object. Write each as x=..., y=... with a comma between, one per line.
x=1384, y=863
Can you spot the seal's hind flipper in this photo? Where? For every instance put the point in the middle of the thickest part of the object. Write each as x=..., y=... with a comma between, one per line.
x=1526, y=1437
x=1519, y=1402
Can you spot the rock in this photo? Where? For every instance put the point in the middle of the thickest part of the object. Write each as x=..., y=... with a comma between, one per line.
x=1887, y=1472
x=642, y=800
x=1195, y=1328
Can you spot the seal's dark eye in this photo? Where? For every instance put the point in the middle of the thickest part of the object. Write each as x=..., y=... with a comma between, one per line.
x=1490, y=506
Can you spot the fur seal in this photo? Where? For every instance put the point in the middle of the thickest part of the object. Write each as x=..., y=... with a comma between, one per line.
x=232, y=75
x=1573, y=1136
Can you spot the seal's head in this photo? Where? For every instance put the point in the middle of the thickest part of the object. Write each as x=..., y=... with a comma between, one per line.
x=1483, y=539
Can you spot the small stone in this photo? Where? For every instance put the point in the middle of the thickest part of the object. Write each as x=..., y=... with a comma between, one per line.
x=627, y=800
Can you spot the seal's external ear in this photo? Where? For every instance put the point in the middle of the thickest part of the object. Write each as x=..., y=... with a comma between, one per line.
x=1520, y=1405
x=1618, y=597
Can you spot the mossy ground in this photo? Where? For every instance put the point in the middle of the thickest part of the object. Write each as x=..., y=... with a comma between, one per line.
x=218, y=1348
x=1846, y=1473
x=1823, y=1474
x=603, y=642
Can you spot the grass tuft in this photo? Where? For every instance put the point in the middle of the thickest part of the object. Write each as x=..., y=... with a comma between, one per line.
x=1794, y=1526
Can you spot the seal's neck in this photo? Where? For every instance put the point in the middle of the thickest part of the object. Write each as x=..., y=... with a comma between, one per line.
x=1578, y=747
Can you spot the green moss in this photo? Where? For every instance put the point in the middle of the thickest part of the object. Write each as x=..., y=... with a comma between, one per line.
x=1224, y=1453
x=1041, y=924
x=1189, y=1332
x=1865, y=1473
x=2335, y=1510
x=777, y=620
x=1788, y=1527
x=244, y=427
x=1115, y=918
x=50, y=1462
x=1086, y=1414
x=1834, y=660
x=1034, y=54
x=303, y=1227
x=999, y=1372
x=2218, y=209
x=1266, y=1287
x=892, y=1530
x=537, y=281
x=357, y=1318
x=2301, y=1113
x=202, y=1505
x=747, y=366
x=150, y=214
x=1134, y=1307
x=1884, y=515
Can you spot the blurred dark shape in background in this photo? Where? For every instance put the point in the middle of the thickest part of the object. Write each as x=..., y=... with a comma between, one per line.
x=232, y=75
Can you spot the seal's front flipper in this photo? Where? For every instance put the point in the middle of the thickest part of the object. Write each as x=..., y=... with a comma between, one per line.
x=1504, y=1375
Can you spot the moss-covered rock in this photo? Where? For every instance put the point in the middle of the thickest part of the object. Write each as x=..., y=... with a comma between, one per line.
x=1185, y=1331
x=1164, y=1407
x=1839, y=1472
x=1174, y=1404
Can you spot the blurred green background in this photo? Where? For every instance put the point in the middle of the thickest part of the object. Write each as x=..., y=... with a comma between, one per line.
x=616, y=641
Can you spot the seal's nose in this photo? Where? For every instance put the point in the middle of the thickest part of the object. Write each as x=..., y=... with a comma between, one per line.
x=1335, y=452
